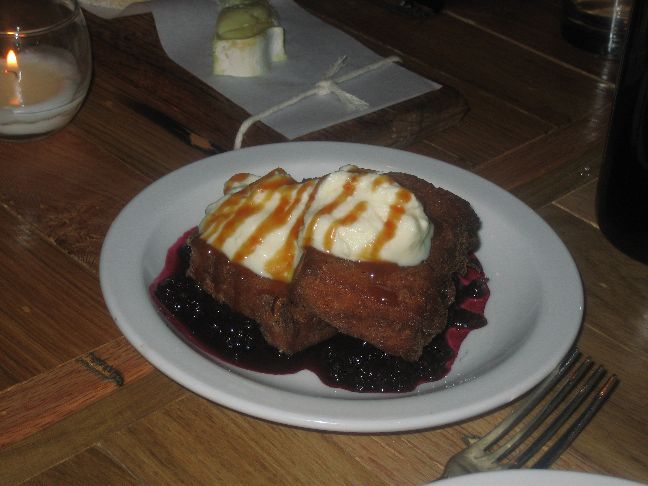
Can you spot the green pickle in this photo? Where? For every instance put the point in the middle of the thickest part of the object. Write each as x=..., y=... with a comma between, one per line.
x=242, y=19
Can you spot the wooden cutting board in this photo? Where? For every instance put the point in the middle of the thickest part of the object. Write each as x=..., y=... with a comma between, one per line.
x=402, y=124
x=398, y=125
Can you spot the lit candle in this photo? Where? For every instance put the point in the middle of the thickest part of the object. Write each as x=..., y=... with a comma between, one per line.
x=39, y=91
x=12, y=69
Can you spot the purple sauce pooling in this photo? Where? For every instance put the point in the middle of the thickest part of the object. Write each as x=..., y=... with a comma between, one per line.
x=340, y=362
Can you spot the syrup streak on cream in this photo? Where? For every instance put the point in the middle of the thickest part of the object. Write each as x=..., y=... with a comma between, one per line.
x=245, y=220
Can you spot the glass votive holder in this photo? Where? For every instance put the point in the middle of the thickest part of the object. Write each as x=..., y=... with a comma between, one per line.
x=598, y=26
x=45, y=66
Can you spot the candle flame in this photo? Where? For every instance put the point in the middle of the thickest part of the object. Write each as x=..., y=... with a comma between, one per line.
x=11, y=67
x=12, y=60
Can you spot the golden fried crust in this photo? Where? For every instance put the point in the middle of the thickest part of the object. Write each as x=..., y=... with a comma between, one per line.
x=256, y=297
x=397, y=309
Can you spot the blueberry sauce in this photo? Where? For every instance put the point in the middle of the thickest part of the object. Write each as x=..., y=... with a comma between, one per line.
x=341, y=361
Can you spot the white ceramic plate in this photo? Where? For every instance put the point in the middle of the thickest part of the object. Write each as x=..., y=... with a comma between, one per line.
x=534, y=312
x=535, y=477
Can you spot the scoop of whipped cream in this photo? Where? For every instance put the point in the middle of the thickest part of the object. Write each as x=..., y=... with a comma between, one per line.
x=264, y=223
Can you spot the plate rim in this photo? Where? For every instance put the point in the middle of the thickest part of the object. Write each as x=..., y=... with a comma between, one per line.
x=343, y=414
x=536, y=477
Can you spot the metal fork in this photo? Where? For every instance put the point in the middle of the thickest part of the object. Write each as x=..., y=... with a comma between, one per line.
x=494, y=451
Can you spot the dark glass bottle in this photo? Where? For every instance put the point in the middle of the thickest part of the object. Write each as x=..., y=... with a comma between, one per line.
x=622, y=199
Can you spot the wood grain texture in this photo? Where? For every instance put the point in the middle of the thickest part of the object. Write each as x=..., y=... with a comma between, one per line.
x=52, y=307
x=91, y=466
x=616, y=286
x=537, y=26
x=614, y=333
x=145, y=147
x=71, y=436
x=402, y=124
x=515, y=74
x=491, y=128
x=230, y=448
x=500, y=120
x=581, y=202
x=59, y=186
x=45, y=399
x=553, y=165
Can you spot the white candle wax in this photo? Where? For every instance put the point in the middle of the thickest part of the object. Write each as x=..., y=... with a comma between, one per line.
x=48, y=81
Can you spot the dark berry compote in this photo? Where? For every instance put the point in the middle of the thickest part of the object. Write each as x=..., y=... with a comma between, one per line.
x=341, y=362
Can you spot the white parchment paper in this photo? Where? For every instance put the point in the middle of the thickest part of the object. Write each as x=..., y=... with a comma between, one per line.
x=186, y=29
x=97, y=8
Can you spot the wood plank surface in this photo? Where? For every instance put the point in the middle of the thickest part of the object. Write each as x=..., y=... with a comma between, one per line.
x=60, y=188
x=222, y=443
x=536, y=25
x=73, y=435
x=43, y=400
x=553, y=164
x=538, y=85
x=49, y=319
x=399, y=125
x=616, y=287
x=581, y=202
x=91, y=466
x=614, y=333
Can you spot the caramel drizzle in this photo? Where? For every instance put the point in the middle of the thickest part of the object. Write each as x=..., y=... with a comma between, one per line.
x=281, y=264
x=388, y=231
x=234, y=212
x=379, y=181
x=234, y=180
x=346, y=220
x=283, y=259
x=348, y=189
x=217, y=219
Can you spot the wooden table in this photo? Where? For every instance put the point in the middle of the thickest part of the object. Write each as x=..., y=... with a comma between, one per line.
x=536, y=127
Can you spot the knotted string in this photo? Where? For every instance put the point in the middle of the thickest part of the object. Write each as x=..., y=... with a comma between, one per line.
x=327, y=85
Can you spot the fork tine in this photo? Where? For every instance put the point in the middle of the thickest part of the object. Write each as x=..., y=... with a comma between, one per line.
x=529, y=402
x=542, y=415
x=565, y=440
x=567, y=412
x=562, y=398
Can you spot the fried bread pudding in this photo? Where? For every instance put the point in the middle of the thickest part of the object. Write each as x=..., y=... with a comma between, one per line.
x=371, y=255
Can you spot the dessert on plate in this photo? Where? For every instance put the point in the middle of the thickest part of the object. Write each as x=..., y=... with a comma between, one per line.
x=366, y=279
x=366, y=254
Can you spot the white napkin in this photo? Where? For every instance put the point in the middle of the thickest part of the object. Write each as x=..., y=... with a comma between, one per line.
x=186, y=29
x=107, y=12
